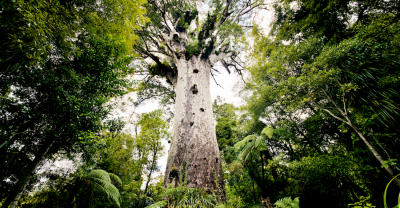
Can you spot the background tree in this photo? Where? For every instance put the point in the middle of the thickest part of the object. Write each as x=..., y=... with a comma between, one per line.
x=153, y=129
x=131, y=161
x=323, y=83
x=226, y=128
x=54, y=84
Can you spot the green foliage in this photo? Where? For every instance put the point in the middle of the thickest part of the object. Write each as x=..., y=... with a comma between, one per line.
x=252, y=143
x=226, y=129
x=327, y=85
x=269, y=131
x=189, y=197
x=62, y=61
x=116, y=156
x=192, y=48
x=121, y=162
x=363, y=203
x=159, y=204
x=76, y=88
x=101, y=180
x=384, y=195
x=131, y=158
x=287, y=202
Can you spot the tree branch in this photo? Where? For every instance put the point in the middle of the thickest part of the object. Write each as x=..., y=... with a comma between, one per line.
x=214, y=78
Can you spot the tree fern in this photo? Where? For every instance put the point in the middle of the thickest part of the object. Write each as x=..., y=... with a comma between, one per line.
x=115, y=180
x=253, y=142
x=101, y=181
x=107, y=188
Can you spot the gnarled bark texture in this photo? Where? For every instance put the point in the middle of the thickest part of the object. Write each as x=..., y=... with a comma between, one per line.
x=193, y=158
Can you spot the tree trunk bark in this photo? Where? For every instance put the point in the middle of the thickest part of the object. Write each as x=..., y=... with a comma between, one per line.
x=153, y=163
x=361, y=135
x=193, y=158
x=16, y=194
x=372, y=149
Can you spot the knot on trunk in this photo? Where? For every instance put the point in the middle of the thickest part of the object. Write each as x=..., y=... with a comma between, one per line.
x=194, y=89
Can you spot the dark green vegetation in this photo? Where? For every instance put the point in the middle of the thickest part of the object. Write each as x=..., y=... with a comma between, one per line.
x=319, y=128
x=327, y=81
x=58, y=70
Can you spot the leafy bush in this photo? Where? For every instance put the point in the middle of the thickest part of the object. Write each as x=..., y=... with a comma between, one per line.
x=186, y=197
x=287, y=202
x=363, y=203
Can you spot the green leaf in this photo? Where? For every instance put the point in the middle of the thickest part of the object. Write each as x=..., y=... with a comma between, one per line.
x=269, y=131
x=244, y=141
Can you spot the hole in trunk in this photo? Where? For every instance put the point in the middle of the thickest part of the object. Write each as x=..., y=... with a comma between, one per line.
x=169, y=141
x=173, y=173
x=202, y=109
x=195, y=71
x=191, y=123
x=216, y=160
x=205, y=158
x=194, y=89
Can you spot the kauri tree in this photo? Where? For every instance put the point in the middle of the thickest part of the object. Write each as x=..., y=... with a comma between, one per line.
x=178, y=45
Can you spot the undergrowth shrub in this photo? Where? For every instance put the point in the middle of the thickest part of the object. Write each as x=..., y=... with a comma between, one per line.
x=287, y=202
x=186, y=197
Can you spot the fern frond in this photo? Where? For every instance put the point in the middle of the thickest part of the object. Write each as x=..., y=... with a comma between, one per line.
x=235, y=167
x=287, y=202
x=107, y=188
x=260, y=143
x=245, y=152
x=240, y=144
x=269, y=131
x=99, y=174
x=115, y=180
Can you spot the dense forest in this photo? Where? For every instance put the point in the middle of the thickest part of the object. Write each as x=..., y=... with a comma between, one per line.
x=318, y=126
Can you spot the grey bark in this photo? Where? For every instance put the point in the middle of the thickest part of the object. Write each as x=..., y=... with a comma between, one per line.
x=372, y=149
x=194, y=158
x=346, y=119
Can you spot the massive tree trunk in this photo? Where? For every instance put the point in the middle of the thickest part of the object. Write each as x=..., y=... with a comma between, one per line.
x=193, y=158
x=183, y=48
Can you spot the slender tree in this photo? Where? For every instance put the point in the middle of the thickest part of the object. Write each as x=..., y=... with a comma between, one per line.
x=183, y=49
